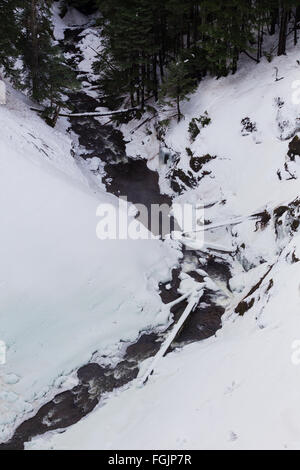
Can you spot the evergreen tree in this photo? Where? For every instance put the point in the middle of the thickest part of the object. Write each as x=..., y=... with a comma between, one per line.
x=129, y=54
x=150, y=47
x=285, y=11
x=10, y=30
x=177, y=85
x=85, y=6
x=46, y=74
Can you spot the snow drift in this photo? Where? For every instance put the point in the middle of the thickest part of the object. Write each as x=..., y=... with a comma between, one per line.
x=64, y=294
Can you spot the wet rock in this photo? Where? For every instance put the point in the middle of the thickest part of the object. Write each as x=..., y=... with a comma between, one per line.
x=180, y=180
x=248, y=127
x=146, y=346
x=295, y=259
x=203, y=322
x=244, y=306
x=287, y=218
x=279, y=211
x=265, y=218
x=196, y=163
x=294, y=148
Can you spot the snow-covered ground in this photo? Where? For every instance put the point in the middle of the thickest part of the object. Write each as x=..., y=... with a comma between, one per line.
x=239, y=389
x=64, y=293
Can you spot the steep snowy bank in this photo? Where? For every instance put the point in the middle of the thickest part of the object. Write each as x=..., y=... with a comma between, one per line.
x=64, y=294
x=239, y=389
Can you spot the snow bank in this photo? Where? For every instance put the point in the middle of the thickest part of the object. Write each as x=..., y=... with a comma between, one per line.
x=63, y=293
x=238, y=390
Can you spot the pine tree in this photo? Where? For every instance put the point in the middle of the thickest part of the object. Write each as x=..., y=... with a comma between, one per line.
x=144, y=37
x=10, y=30
x=226, y=31
x=177, y=85
x=85, y=6
x=285, y=9
x=46, y=74
x=129, y=57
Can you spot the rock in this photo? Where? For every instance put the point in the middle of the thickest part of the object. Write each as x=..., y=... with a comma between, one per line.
x=178, y=177
x=294, y=148
x=196, y=163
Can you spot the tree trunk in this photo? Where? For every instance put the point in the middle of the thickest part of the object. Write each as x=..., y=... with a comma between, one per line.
x=161, y=64
x=297, y=20
x=274, y=20
x=178, y=109
x=235, y=61
x=33, y=27
x=283, y=31
x=143, y=82
x=155, y=90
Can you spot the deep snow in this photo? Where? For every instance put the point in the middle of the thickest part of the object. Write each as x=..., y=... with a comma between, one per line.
x=239, y=389
x=64, y=293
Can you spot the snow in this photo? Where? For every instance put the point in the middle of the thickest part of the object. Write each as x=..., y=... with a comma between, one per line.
x=239, y=389
x=241, y=160
x=2, y=92
x=90, y=46
x=64, y=294
x=241, y=383
x=72, y=18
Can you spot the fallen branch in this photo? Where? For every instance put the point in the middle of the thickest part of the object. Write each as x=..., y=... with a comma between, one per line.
x=250, y=56
x=140, y=125
x=103, y=58
x=206, y=246
x=226, y=223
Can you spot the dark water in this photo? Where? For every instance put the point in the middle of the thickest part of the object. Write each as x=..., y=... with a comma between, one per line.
x=131, y=178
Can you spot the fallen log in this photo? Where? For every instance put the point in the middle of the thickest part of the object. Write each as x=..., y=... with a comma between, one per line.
x=195, y=296
x=92, y=114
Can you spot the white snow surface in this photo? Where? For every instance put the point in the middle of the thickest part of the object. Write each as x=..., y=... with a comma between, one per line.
x=72, y=19
x=239, y=389
x=64, y=294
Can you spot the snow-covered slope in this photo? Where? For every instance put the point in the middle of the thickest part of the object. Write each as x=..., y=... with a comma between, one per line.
x=64, y=294
x=239, y=389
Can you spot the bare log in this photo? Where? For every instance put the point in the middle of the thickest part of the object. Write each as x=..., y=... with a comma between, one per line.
x=195, y=296
x=92, y=114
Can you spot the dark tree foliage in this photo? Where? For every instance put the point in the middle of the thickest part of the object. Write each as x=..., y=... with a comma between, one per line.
x=155, y=49
x=145, y=39
x=177, y=84
x=10, y=32
x=26, y=39
x=46, y=74
x=85, y=6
